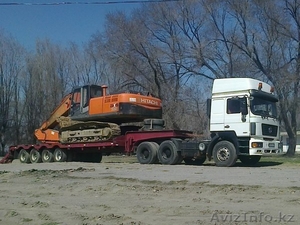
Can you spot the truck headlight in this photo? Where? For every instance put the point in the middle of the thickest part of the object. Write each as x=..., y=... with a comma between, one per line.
x=202, y=146
x=256, y=144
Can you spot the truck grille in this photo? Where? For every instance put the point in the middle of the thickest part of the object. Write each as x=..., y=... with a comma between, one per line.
x=269, y=130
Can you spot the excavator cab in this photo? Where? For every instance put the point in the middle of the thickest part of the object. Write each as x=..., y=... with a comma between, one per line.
x=80, y=99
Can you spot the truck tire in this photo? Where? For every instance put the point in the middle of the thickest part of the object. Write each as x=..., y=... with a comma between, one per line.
x=147, y=153
x=24, y=156
x=167, y=153
x=35, y=156
x=59, y=155
x=97, y=157
x=156, y=147
x=224, y=154
x=180, y=159
x=92, y=157
x=249, y=160
x=47, y=156
x=197, y=162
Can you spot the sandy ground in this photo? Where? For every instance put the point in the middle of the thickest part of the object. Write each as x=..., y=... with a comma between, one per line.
x=130, y=193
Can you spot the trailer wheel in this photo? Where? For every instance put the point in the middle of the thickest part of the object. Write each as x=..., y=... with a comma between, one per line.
x=94, y=157
x=24, y=156
x=35, y=156
x=60, y=155
x=156, y=147
x=97, y=157
x=146, y=153
x=47, y=156
x=224, y=154
x=167, y=153
x=197, y=162
x=249, y=160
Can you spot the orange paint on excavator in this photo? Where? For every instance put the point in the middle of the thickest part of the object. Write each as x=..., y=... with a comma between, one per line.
x=92, y=103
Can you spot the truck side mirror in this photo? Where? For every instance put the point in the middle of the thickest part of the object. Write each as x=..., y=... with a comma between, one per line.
x=243, y=106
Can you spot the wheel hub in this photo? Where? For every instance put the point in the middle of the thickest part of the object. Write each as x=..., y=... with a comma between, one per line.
x=46, y=156
x=34, y=156
x=166, y=153
x=145, y=154
x=22, y=157
x=223, y=154
x=58, y=156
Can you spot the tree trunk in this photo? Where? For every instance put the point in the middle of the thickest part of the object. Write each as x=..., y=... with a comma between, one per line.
x=292, y=145
x=2, y=148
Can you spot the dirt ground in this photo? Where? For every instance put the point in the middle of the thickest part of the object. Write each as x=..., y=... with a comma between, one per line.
x=130, y=193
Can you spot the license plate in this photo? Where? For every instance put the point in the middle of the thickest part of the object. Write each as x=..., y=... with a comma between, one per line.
x=271, y=145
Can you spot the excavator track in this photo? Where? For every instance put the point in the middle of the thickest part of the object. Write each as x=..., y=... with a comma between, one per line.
x=73, y=131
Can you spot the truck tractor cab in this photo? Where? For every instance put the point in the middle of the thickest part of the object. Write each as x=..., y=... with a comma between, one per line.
x=243, y=112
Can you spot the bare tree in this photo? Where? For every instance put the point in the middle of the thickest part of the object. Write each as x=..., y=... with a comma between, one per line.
x=11, y=65
x=103, y=73
x=157, y=52
x=267, y=34
x=44, y=84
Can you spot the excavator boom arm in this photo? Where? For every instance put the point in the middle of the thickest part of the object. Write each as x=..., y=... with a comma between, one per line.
x=46, y=132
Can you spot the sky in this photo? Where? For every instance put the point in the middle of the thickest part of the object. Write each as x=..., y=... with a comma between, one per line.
x=61, y=24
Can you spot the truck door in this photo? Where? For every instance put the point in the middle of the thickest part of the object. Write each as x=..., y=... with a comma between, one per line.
x=217, y=111
x=235, y=117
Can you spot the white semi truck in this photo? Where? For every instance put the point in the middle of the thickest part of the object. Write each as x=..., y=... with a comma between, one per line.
x=243, y=121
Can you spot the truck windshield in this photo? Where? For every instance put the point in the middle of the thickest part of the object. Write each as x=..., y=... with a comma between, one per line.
x=263, y=107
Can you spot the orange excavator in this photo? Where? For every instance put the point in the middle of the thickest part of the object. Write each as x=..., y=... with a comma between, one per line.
x=89, y=114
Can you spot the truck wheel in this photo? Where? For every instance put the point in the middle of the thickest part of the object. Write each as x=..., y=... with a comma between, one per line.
x=249, y=160
x=60, y=155
x=24, y=156
x=167, y=153
x=197, y=162
x=146, y=153
x=35, y=156
x=47, y=156
x=180, y=159
x=97, y=157
x=224, y=154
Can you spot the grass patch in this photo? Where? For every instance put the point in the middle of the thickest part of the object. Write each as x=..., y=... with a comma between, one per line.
x=12, y=213
x=26, y=220
x=119, y=159
x=282, y=159
x=50, y=223
x=3, y=172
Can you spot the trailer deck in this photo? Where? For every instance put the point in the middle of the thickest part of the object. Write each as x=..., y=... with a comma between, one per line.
x=121, y=144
